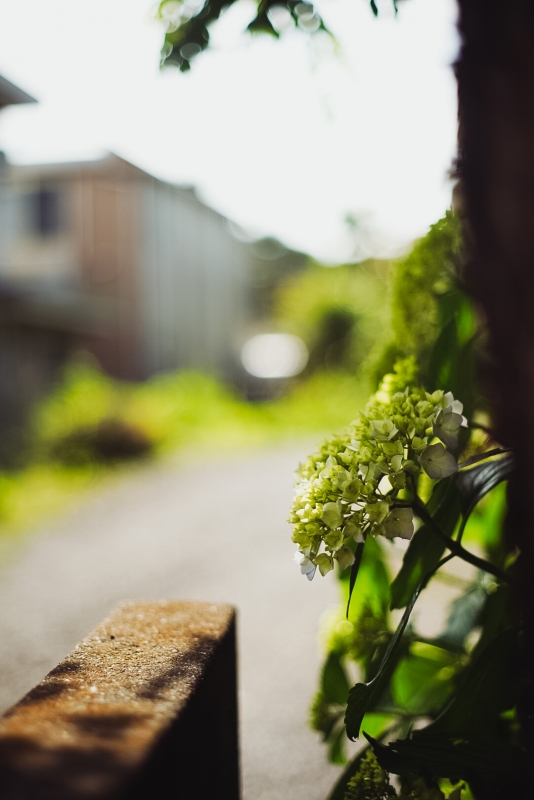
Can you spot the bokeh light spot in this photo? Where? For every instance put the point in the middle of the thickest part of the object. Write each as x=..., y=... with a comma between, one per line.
x=274, y=355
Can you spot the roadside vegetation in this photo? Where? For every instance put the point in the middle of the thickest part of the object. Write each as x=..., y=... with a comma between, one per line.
x=92, y=428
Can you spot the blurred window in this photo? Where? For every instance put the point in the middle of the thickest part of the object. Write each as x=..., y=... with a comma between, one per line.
x=44, y=212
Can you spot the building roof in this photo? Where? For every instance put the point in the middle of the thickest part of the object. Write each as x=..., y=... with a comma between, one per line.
x=11, y=95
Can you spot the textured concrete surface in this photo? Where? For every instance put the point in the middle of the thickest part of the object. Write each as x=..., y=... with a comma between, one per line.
x=199, y=531
x=153, y=680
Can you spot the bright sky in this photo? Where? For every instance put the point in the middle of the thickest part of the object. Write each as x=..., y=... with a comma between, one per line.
x=284, y=137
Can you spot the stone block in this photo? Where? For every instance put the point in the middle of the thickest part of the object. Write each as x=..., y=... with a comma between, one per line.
x=144, y=708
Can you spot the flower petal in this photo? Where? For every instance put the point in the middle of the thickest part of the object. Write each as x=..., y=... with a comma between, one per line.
x=437, y=462
x=399, y=523
x=345, y=557
x=331, y=515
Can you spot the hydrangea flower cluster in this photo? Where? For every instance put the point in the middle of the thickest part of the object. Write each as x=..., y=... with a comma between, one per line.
x=348, y=488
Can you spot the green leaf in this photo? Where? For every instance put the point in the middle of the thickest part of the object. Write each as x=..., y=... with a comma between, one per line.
x=354, y=571
x=464, y=615
x=476, y=483
x=334, y=683
x=374, y=8
x=373, y=582
x=425, y=549
x=417, y=687
x=362, y=696
x=359, y=698
x=446, y=349
x=447, y=757
x=452, y=362
x=376, y=724
x=456, y=330
x=455, y=304
x=451, y=498
x=487, y=688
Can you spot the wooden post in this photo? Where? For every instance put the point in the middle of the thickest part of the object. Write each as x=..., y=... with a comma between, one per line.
x=144, y=708
x=495, y=74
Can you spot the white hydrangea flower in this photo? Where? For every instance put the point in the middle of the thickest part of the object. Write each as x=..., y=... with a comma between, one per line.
x=399, y=522
x=332, y=515
x=382, y=430
x=455, y=406
x=446, y=427
x=347, y=488
x=307, y=567
x=437, y=462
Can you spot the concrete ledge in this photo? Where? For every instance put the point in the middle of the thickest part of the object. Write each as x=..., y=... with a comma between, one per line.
x=144, y=708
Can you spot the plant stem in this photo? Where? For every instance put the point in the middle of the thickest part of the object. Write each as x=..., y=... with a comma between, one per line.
x=455, y=547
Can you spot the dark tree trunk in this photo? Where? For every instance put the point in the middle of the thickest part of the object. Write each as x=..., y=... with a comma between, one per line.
x=496, y=103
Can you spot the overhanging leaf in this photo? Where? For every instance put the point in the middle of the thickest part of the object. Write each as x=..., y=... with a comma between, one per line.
x=359, y=698
x=447, y=757
x=474, y=484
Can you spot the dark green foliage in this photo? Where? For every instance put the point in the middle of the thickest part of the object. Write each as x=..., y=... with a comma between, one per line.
x=425, y=300
x=333, y=344
x=370, y=782
x=366, y=644
x=187, y=36
x=452, y=498
x=466, y=692
x=427, y=272
x=474, y=484
x=469, y=739
x=485, y=690
x=340, y=787
x=415, y=787
x=338, y=312
x=111, y=440
x=449, y=757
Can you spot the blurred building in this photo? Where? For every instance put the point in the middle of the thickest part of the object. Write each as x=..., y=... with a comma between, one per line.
x=103, y=257
x=148, y=277
x=27, y=350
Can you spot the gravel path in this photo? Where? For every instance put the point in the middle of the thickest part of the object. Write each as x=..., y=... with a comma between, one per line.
x=209, y=532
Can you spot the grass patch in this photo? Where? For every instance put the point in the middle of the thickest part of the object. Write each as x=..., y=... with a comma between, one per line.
x=180, y=412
